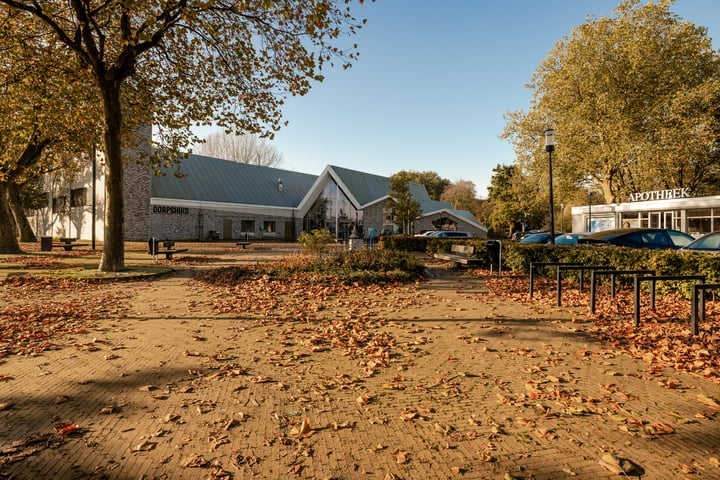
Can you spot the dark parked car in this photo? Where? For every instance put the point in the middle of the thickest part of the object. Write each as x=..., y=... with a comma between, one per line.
x=450, y=233
x=656, y=238
x=560, y=238
x=569, y=238
x=542, y=237
x=706, y=243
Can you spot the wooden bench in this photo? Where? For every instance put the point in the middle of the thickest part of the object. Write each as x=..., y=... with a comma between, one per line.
x=460, y=255
x=168, y=249
x=68, y=243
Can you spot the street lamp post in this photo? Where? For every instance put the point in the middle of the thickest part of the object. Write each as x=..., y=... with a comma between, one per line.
x=550, y=147
x=589, y=210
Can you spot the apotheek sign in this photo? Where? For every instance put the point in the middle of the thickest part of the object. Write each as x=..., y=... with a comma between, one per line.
x=669, y=194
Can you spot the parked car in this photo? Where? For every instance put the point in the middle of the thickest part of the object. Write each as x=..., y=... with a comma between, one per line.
x=521, y=235
x=706, y=243
x=542, y=237
x=569, y=238
x=560, y=238
x=655, y=238
x=450, y=234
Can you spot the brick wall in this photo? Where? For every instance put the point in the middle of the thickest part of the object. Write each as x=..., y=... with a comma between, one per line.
x=137, y=187
x=175, y=222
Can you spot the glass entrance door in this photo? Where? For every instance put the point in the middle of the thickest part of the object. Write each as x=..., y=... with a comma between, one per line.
x=670, y=221
x=655, y=220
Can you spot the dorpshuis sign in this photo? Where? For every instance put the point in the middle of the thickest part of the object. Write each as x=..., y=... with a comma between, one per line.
x=669, y=194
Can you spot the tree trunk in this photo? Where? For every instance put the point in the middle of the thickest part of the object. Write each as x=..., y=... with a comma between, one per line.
x=21, y=221
x=113, y=254
x=607, y=192
x=8, y=234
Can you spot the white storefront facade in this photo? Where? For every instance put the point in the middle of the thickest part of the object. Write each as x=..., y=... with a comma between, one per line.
x=675, y=209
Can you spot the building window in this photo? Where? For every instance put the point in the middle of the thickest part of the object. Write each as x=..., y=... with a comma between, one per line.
x=78, y=197
x=700, y=221
x=59, y=204
x=247, y=226
x=269, y=227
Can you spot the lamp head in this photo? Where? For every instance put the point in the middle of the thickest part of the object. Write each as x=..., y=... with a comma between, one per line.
x=549, y=140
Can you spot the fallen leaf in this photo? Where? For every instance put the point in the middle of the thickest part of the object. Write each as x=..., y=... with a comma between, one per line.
x=66, y=428
x=620, y=466
x=659, y=429
x=144, y=446
x=303, y=429
x=708, y=401
x=195, y=461
x=401, y=456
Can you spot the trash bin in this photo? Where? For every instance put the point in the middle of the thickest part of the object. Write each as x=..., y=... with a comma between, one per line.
x=494, y=250
x=153, y=246
x=46, y=244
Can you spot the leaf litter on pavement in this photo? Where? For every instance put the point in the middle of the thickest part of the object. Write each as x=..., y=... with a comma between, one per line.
x=309, y=319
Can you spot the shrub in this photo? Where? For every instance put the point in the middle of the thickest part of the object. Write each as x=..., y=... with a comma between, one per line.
x=357, y=266
x=317, y=241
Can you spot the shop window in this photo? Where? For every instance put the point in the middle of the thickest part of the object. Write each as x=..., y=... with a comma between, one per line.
x=78, y=197
x=705, y=212
x=247, y=226
x=59, y=204
x=269, y=227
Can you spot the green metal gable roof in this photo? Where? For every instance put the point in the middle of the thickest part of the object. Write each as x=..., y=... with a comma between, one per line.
x=208, y=179
x=368, y=188
x=365, y=187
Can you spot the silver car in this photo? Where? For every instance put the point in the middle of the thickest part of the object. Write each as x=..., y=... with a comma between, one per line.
x=706, y=243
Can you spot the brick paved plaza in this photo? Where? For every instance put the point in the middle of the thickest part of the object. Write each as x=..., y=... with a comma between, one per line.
x=438, y=380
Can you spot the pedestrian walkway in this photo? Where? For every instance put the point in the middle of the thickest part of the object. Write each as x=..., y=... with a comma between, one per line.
x=442, y=380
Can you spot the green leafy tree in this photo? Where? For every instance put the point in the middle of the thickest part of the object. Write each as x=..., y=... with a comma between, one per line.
x=434, y=184
x=183, y=63
x=515, y=200
x=406, y=209
x=634, y=100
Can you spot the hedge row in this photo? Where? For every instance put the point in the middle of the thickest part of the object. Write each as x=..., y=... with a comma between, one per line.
x=517, y=256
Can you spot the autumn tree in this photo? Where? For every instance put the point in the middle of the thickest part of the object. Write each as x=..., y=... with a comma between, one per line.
x=634, y=100
x=460, y=194
x=185, y=63
x=405, y=207
x=250, y=149
x=47, y=112
x=434, y=184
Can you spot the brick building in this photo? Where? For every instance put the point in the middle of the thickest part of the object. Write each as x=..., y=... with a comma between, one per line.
x=220, y=199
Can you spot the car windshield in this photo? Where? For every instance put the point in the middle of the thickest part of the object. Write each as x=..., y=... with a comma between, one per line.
x=536, y=238
x=679, y=239
x=709, y=242
x=568, y=238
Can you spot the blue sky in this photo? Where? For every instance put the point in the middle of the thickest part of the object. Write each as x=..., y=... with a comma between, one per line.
x=433, y=82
